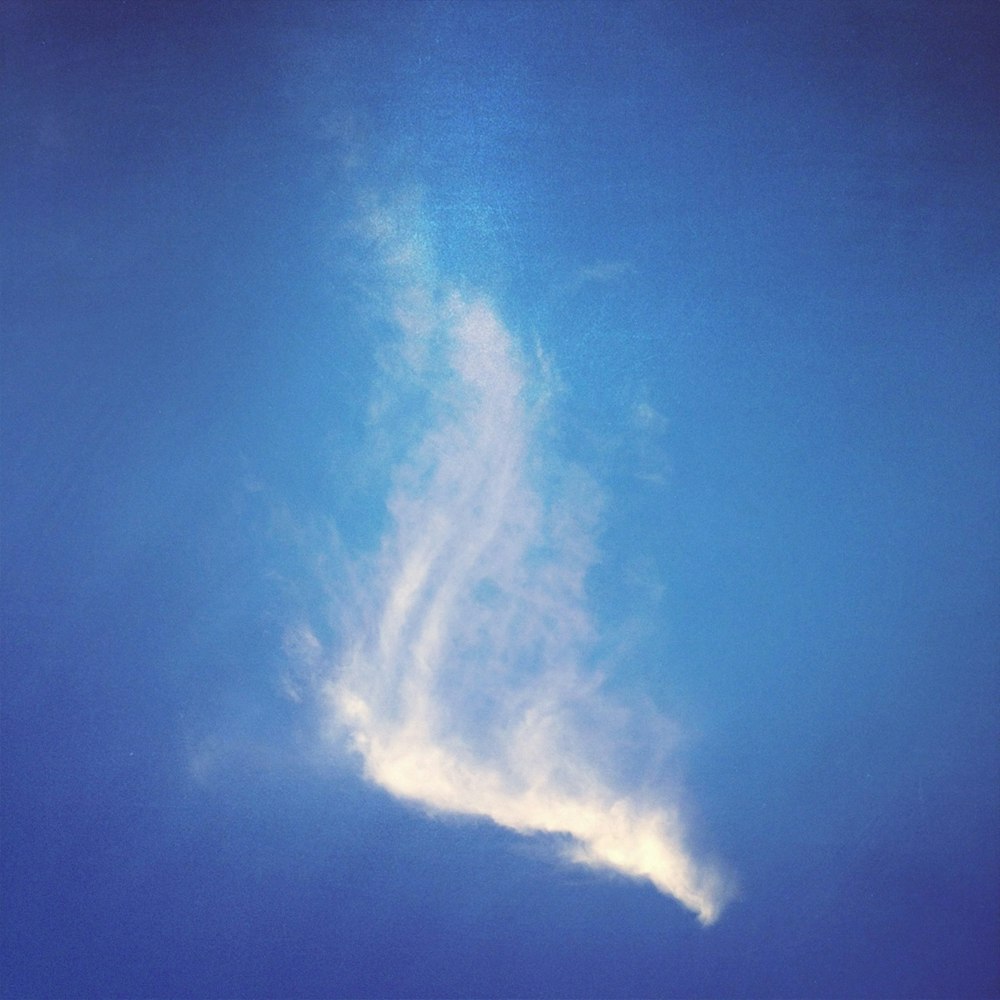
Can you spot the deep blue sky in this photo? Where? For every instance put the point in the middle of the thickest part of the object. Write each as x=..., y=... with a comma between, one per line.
x=758, y=243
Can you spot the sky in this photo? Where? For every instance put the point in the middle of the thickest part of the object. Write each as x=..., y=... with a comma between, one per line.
x=500, y=499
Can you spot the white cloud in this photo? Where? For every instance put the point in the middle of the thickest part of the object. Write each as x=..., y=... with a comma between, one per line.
x=462, y=682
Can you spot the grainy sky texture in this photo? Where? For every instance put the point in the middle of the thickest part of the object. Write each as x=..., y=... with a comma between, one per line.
x=500, y=500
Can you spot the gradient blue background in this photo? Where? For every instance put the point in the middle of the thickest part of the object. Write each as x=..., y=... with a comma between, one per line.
x=796, y=208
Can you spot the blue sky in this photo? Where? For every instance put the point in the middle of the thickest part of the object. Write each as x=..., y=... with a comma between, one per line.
x=500, y=499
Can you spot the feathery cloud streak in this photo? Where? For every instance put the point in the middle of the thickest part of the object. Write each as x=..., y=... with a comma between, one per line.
x=462, y=684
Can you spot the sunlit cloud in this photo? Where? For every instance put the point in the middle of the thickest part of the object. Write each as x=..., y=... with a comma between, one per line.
x=462, y=681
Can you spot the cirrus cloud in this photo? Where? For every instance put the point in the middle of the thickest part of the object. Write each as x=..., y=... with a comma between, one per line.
x=462, y=682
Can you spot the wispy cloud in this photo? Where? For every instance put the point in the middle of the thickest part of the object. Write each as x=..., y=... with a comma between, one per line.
x=604, y=272
x=462, y=682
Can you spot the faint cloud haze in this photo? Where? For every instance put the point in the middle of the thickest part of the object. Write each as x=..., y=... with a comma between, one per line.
x=604, y=272
x=461, y=680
